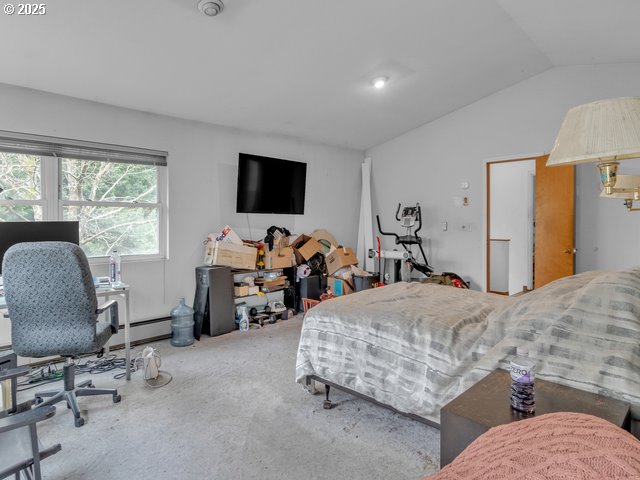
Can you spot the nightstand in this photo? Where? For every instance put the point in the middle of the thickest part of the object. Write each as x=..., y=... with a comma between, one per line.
x=487, y=404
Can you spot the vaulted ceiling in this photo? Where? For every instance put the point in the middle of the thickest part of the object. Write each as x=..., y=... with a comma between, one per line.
x=303, y=68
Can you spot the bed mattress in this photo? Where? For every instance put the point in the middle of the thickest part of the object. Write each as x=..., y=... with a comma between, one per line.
x=406, y=345
x=417, y=346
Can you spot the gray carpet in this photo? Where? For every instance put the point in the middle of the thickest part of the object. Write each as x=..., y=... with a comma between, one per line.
x=233, y=411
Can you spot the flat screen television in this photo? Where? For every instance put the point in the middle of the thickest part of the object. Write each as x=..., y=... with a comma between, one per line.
x=270, y=185
x=18, y=232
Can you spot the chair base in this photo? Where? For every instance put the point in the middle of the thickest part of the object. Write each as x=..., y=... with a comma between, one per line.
x=72, y=391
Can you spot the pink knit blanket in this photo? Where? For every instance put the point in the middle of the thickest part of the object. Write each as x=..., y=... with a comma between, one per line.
x=559, y=446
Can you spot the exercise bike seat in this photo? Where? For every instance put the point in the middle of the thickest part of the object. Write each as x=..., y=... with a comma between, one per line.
x=408, y=240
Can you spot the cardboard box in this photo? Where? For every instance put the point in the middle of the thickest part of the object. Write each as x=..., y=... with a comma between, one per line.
x=279, y=257
x=227, y=235
x=234, y=256
x=339, y=286
x=339, y=258
x=305, y=247
x=241, y=290
x=271, y=283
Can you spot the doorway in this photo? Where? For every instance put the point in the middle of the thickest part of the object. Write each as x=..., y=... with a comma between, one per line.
x=510, y=225
x=530, y=224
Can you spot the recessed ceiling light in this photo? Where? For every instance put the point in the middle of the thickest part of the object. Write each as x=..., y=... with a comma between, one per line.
x=210, y=8
x=379, y=82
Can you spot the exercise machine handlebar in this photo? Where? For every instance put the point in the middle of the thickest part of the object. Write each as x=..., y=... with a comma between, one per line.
x=419, y=220
x=387, y=233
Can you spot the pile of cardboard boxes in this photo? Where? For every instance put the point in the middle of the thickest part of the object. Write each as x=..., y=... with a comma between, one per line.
x=341, y=264
x=228, y=249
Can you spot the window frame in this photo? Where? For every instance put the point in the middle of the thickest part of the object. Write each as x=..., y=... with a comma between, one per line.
x=42, y=202
x=53, y=204
x=159, y=204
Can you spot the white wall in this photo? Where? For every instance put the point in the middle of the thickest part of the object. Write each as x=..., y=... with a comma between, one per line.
x=512, y=216
x=428, y=164
x=202, y=170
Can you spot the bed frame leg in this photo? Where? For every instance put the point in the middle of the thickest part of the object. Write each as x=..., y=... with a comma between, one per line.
x=309, y=385
x=327, y=403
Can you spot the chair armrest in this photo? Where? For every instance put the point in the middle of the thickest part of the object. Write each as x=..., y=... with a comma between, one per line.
x=26, y=418
x=112, y=306
x=13, y=373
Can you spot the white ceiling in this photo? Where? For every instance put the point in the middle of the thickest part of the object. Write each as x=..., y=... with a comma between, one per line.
x=302, y=67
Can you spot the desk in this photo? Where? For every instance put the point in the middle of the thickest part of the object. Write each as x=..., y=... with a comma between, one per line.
x=121, y=291
x=108, y=292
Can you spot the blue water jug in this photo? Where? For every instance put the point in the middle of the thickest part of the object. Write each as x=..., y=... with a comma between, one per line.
x=182, y=325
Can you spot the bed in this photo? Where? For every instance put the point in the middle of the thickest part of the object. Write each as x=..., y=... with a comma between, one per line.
x=558, y=445
x=414, y=347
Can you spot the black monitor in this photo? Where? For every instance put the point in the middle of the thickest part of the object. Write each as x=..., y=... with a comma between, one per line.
x=18, y=232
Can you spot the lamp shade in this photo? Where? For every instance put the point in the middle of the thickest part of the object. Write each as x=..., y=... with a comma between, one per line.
x=606, y=130
x=623, y=181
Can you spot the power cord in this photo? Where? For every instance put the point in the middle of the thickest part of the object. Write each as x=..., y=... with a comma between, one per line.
x=50, y=372
x=103, y=365
x=41, y=376
x=249, y=225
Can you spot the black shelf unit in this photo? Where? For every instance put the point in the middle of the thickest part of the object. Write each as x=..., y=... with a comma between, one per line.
x=289, y=292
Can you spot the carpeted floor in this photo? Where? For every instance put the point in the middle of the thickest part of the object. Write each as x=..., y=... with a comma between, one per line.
x=233, y=411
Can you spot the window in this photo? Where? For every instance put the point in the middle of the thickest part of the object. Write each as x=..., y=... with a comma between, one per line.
x=115, y=194
x=20, y=188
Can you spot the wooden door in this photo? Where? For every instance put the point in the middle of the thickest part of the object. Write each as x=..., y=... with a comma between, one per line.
x=554, y=232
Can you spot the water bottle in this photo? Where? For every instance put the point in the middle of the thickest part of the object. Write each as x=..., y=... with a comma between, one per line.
x=115, y=275
x=522, y=376
x=182, y=325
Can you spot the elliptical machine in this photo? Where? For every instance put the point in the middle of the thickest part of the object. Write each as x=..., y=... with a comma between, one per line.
x=408, y=219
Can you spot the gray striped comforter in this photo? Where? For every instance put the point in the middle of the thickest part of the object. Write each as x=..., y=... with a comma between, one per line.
x=417, y=346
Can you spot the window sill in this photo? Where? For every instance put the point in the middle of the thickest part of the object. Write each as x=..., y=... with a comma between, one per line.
x=128, y=259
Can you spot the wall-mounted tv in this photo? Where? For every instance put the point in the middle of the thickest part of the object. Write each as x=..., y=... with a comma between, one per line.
x=270, y=185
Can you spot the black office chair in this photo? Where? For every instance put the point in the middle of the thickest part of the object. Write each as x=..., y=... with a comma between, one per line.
x=20, y=450
x=52, y=304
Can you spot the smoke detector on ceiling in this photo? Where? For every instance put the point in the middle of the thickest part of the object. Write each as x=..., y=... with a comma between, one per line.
x=211, y=8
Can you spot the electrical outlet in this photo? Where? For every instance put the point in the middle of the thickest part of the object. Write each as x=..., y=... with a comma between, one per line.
x=465, y=227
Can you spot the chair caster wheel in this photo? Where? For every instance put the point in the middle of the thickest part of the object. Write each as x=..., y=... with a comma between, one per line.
x=79, y=422
x=326, y=405
x=38, y=400
x=91, y=385
x=117, y=398
x=68, y=406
